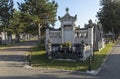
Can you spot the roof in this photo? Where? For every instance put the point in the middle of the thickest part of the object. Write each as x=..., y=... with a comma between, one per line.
x=67, y=16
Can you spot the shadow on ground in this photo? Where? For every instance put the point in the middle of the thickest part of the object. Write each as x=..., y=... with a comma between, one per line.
x=14, y=58
x=48, y=76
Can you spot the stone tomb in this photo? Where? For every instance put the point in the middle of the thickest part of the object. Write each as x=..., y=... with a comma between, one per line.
x=5, y=39
x=98, y=37
x=69, y=41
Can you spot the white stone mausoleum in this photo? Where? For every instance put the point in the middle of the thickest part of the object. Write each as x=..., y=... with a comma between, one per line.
x=70, y=32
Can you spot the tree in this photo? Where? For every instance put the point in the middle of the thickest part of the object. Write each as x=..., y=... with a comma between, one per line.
x=16, y=25
x=109, y=16
x=41, y=11
x=6, y=11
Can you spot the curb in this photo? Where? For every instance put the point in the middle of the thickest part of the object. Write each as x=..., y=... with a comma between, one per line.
x=55, y=69
x=99, y=69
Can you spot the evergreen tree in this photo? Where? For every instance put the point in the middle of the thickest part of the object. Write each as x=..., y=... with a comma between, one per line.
x=41, y=11
x=6, y=12
x=16, y=25
x=109, y=16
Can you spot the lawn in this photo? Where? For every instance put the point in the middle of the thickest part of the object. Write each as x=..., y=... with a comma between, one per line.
x=3, y=46
x=100, y=56
x=39, y=59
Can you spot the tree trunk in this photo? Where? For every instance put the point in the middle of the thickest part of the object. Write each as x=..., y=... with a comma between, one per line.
x=17, y=38
x=39, y=32
x=28, y=37
x=4, y=36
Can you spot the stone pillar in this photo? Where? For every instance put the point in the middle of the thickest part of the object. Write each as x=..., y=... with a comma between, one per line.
x=90, y=38
x=62, y=35
x=47, y=38
x=73, y=39
x=83, y=50
x=49, y=50
x=4, y=37
x=90, y=35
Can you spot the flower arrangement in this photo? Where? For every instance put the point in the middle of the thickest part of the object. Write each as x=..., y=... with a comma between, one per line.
x=67, y=44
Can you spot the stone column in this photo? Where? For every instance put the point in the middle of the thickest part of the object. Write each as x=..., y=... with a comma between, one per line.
x=62, y=35
x=73, y=39
x=49, y=50
x=90, y=38
x=47, y=38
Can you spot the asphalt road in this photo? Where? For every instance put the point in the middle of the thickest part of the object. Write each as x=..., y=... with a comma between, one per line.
x=111, y=68
x=12, y=60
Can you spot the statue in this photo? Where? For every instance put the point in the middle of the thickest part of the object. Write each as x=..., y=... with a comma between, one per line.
x=90, y=25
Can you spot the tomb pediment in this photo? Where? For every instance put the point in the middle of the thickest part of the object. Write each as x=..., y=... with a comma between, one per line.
x=68, y=17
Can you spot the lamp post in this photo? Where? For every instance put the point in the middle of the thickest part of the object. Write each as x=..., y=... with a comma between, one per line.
x=29, y=59
x=90, y=63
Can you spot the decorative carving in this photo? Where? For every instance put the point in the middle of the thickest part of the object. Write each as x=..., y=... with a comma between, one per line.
x=67, y=10
x=90, y=25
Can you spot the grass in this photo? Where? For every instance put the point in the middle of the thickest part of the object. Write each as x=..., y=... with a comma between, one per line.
x=39, y=59
x=3, y=46
x=100, y=56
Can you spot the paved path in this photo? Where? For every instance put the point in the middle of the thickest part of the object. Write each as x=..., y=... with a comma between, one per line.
x=111, y=68
x=15, y=55
x=12, y=62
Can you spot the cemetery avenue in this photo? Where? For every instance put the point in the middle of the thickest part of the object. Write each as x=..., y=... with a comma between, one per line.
x=12, y=62
x=55, y=39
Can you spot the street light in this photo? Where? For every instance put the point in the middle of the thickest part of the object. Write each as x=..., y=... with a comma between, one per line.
x=29, y=59
x=90, y=63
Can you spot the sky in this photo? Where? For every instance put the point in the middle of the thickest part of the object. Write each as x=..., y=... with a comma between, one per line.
x=84, y=9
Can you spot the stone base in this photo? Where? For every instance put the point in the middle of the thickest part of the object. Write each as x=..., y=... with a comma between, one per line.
x=92, y=72
x=27, y=66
